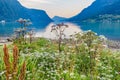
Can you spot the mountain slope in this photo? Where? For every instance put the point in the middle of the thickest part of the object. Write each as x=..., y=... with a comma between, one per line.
x=11, y=10
x=58, y=18
x=98, y=7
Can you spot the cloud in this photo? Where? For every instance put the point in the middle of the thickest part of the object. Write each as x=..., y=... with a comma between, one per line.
x=45, y=1
x=63, y=8
x=37, y=1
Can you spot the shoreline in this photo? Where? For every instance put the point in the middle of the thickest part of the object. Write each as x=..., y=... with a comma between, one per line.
x=4, y=40
x=111, y=44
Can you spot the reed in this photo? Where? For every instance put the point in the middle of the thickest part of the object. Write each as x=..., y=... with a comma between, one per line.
x=12, y=69
x=15, y=61
x=7, y=63
x=22, y=72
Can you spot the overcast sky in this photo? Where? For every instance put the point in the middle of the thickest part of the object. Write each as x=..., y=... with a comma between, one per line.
x=63, y=8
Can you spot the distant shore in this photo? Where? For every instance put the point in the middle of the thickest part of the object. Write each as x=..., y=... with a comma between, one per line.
x=113, y=44
x=46, y=33
x=5, y=40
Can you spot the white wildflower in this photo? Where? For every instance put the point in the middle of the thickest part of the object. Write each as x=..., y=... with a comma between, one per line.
x=65, y=71
x=83, y=76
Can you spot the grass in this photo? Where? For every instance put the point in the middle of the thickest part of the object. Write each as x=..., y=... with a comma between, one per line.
x=82, y=58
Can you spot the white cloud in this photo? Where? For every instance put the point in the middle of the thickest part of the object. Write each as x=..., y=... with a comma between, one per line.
x=37, y=1
x=64, y=8
x=44, y=1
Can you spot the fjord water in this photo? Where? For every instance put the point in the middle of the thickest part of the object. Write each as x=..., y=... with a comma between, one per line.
x=109, y=29
x=7, y=29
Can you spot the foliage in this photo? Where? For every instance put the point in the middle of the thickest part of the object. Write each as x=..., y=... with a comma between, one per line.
x=83, y=57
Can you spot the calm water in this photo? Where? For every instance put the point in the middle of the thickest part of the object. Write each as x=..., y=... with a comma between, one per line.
x=8, y=28
x=110, y=30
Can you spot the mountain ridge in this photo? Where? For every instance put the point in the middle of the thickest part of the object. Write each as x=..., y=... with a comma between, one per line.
x=58, y=18
x=11, y=10
x=98, y=7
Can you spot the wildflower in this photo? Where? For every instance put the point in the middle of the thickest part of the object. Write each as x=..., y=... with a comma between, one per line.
x=92, y=50
x=2, y=73
x=27, y=72
x=103, y=38
x=83, y=76
x=71, y=74
x=10, y=78
x=65, y=71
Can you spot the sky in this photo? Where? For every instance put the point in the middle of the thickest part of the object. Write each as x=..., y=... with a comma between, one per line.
x=63, y=8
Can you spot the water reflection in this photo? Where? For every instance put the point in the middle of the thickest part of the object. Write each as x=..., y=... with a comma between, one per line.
x=8, y=28
x=110, y=30
x=72, y=29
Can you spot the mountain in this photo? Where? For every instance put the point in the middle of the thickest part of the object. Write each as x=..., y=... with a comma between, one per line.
x=58, y=18
x=98, y=7
x=11, y=10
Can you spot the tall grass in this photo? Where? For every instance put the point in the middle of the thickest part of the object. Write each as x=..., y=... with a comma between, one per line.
x=82, y=58
x=11, y=68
